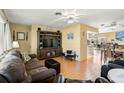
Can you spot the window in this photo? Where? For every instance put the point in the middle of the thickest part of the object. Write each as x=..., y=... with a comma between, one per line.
x=5, y=34
x=5, y=37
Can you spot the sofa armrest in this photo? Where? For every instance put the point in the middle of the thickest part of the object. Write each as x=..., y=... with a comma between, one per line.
x=3, y=79
x=33, y=56
x=112, y=66
x=106, y=68
x=102, y=80
x=33, y=64
x=118, y=62
x=104, y=71
x=27, y=79
x=42, y=74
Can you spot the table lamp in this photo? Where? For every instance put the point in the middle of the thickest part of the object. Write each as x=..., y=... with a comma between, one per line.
x=15, y=44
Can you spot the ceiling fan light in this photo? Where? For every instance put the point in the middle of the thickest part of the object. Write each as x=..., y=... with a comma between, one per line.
x=70, y=21
x=113, y=27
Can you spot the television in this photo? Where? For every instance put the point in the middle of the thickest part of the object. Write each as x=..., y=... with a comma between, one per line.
x=120, y=36
x=50, y=42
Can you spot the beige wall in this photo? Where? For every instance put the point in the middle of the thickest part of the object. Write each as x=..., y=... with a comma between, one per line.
x=109, y=36
x=79, y=43
x=33, y=41
x=24, y=44
x=71, y=44
x=29, y=45
x=83, y=42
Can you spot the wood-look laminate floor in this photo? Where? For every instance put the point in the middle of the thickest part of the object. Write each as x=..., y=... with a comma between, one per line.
x=89, y=69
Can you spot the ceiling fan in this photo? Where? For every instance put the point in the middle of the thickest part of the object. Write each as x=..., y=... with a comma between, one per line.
x=69, y=15
x=113, y=24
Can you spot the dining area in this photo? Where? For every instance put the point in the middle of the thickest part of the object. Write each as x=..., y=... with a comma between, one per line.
x=112, y=63
x=108, y=52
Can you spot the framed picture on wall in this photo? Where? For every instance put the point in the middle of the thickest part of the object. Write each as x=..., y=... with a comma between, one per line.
x=20, y=35
x=119, y=36
x=70, y=36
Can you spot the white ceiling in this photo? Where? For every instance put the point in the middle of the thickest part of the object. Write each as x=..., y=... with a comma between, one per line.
x=93, y=17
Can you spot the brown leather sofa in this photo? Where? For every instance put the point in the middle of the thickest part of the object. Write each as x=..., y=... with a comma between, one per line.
x=13, y=69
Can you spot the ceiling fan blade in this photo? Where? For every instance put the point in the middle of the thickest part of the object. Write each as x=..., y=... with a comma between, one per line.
x=79, y=15
x=122, y=25
x=59, y=19
x=76, y=21
x=112, y=24
x=74, y=11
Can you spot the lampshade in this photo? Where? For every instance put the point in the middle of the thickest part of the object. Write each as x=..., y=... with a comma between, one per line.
x=15, y=44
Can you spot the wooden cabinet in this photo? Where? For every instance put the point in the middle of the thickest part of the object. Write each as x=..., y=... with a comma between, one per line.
x=49, y=53
x=49, y=44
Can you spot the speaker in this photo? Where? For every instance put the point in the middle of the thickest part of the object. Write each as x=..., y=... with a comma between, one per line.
x=13, y=35
x=26, y=35
x=39, y=28
x=58, y=31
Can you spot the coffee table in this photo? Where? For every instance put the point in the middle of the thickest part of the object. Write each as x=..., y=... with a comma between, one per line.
x=116, y=75
x=51, y=63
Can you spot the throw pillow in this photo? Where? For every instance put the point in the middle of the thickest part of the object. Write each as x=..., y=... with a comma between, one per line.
x=26, y=57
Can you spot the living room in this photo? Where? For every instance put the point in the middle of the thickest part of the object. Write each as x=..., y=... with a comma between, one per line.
x=62, y=46
x=63, y=50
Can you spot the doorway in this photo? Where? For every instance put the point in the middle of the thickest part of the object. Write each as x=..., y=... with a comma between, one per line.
x=92, y=42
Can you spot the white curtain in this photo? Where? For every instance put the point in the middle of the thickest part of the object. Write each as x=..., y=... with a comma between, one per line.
x=7, y=38
x=1, y=38
x=5, y=34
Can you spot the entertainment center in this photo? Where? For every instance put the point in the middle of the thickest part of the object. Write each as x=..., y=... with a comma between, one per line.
x=49, y=44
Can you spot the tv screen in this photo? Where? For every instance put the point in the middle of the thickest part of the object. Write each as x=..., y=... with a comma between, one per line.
x=120, y=36
x=50, y=42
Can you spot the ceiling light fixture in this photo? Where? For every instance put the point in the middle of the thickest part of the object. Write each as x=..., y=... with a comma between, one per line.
x=70, y=20
x=58, y=13
x=69, y=15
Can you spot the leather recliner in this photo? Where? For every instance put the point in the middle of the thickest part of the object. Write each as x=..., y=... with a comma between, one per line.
x=111, y=65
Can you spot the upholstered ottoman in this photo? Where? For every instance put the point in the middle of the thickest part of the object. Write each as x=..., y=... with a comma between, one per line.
x=51, y=63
